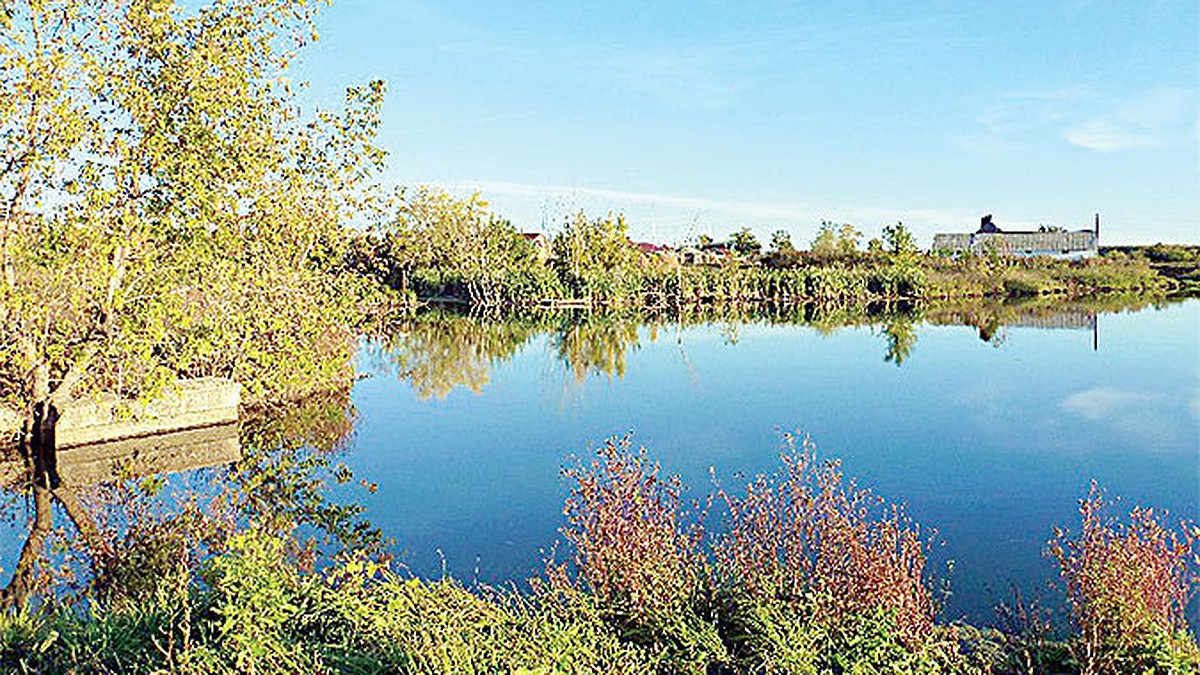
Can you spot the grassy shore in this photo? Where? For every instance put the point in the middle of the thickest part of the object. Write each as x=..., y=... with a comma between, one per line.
x=801, y=571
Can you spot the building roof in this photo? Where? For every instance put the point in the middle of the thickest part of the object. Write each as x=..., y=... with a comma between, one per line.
x=1082, y=240
x=1041, y=241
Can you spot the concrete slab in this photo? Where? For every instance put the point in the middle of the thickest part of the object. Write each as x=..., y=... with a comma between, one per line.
x=186, y=405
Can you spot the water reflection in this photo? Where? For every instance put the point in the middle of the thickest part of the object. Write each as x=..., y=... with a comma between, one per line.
x=285, y=470
x=136, y=506
x=441, y=350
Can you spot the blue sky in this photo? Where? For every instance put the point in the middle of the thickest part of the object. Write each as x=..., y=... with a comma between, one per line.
x=703, y=116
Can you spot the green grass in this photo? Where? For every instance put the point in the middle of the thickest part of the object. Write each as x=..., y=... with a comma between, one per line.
x=813, y=576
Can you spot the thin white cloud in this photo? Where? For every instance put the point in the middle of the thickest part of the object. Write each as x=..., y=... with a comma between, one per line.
x=729, y=210
x=1160, y=107
x=1102, y=402
x=1154, y=117
x=683, y=76
x=1103, y=136
x=1082, y=117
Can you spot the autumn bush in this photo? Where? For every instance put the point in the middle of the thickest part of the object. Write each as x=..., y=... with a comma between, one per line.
x=1128, y=585
x=646, y=573
x=809, y=535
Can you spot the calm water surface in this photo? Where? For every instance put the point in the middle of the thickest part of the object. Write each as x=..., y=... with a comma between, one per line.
x=990, y=442
x=989, y=433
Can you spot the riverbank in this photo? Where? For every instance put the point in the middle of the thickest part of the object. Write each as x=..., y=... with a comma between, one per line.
x=807, y=573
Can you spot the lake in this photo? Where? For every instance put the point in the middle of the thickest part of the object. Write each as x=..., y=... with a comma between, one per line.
x=988, y=422
x=990, y=441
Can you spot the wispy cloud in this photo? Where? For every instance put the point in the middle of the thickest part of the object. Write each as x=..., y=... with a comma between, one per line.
x=681, y=208
x=1009, y=117
x=1102, y=402
x=1082, y=117
x=1102, y=135
x=691, y=77
x=1150, y=118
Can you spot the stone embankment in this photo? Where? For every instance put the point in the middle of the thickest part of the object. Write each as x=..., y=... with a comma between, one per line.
x=193, y=424
x=187, y=404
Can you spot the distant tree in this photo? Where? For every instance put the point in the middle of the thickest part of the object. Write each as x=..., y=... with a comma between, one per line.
x=1051, y=228
x=781, y=244
x=900, y=241
x=743, y=241
x=825, y=243
x=847, y=239
x=875, y=245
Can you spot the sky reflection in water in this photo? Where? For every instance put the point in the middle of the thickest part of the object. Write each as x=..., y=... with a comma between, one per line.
x=991, y=443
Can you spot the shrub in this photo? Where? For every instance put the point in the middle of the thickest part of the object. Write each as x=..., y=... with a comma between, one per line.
x=811, y=539
x=631, y=553
x=1128, y=585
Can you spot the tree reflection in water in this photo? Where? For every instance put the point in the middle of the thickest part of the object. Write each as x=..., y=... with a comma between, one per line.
x=140, y=510
x=441, y=350
x=109, y=520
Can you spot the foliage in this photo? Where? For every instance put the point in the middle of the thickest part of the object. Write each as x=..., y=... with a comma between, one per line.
x=781, y=244
x=744, y=242
x=1128, y=585
x=596, y=260
x=172, y=215
x=807, y=536
x=900, y=241
x=633, y=557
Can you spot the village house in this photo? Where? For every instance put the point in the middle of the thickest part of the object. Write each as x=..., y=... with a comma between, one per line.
x=708, y=254
x=1027, y=244
x=540, y=244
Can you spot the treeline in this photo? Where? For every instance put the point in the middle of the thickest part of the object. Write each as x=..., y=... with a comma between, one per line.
x=441, y=248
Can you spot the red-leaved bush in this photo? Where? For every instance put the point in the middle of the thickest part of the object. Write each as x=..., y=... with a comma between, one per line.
x=630, y=550
x=1126, y=583
x=809, y=535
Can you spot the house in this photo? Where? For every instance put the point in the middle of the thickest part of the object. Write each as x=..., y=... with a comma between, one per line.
x=1027, y=244
x=649, y=249
x=540, y=244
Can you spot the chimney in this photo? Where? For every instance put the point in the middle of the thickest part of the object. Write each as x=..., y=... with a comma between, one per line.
x=1097, y=229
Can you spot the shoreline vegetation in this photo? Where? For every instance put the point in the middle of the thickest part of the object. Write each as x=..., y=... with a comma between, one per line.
x=169, y=209
x=800, y=571
x=592, y=263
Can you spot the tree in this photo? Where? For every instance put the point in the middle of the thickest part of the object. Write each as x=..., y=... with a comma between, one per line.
x=900, y=241
x=704, y=241
x=595, y=257
x=169, y=212
x=744, y=242
x=825, y=243
x=847, y=240
x=781, y=244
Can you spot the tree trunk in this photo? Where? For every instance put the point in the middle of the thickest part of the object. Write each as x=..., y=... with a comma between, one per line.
x=17, y=593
